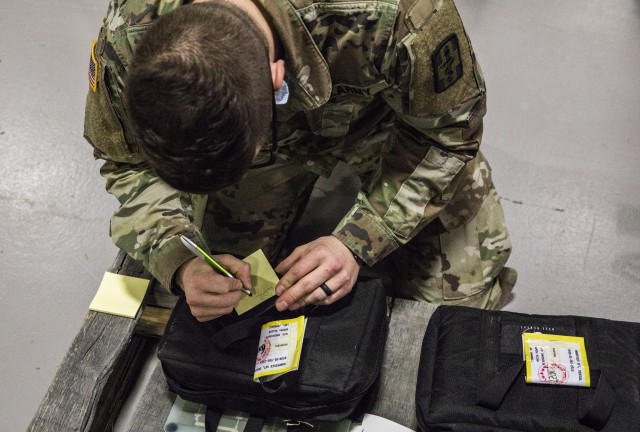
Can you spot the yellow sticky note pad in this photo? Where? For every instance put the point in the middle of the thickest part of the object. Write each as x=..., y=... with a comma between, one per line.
x=119, y=295
x=263, y=281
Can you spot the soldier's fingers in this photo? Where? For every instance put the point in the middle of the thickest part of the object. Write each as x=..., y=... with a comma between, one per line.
x=325, y=295
x=205, y=306
x=285, y=265
x=304, y=290
x=317, y=296
x=197, y=275
x=207, y=299
x=294, y=275
x=207, y=314
x=239, y=269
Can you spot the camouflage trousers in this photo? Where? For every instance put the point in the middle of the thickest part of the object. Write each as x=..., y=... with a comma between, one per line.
x=465, y=266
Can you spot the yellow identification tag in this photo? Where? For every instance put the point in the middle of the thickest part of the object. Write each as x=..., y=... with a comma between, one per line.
x=556, y=359
x=279, y=348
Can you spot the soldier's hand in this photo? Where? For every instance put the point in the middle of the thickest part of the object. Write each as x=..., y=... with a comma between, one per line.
x=323, y=261
x=209, y=294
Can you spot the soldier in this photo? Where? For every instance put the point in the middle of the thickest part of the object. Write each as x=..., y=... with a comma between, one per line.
x=181, y=108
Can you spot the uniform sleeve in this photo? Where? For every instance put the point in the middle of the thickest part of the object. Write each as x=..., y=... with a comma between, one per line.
x=150, y=219
x=438, y=97
x=151, y=215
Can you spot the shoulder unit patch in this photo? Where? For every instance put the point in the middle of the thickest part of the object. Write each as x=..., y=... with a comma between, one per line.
x=447, y=63
x=93, y=69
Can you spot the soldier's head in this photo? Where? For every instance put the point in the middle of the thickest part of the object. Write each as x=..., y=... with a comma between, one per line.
x=199, y=94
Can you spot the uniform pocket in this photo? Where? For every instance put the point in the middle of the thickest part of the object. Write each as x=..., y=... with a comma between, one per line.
x=474, y=253
x=469, y=195
x=102, y=127
x=331, y=120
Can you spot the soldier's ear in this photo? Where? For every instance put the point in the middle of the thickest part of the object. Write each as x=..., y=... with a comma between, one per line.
x=277, y=74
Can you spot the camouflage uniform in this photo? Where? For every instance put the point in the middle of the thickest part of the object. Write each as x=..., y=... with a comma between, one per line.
x=392, y=88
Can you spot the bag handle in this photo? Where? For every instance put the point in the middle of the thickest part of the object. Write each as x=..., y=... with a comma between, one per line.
x=596, y=414
x=237, y=331
x=250, y=326
x=493, y=394
x=599, y=409
x=212, y=418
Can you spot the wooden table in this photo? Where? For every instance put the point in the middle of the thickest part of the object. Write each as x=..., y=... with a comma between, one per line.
x=105, y=360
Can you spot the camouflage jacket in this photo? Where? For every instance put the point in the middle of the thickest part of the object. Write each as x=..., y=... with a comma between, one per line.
x=402, y=67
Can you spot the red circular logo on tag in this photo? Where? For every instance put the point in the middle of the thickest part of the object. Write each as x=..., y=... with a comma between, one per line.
x=553, y=373
x=263, y=350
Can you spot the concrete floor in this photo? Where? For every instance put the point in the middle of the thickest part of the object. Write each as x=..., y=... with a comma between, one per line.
x=561, y=135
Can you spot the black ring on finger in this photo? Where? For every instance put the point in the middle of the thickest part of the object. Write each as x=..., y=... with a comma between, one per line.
x=326, y=289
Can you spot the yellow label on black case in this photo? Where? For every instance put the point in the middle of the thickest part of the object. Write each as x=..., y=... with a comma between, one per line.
x=280, y=347
x=556, y=359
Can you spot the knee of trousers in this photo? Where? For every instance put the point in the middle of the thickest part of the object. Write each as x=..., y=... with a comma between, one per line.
x=454, y=267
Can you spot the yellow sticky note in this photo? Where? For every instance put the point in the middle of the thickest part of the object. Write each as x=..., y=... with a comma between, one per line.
x=263, y=281
x=119, y=295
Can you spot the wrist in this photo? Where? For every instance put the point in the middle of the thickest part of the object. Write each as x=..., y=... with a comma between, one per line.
x=178, y=281
x=355, y=256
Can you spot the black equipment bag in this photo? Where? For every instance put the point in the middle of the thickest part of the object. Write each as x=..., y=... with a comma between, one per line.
x=471, y=375
x=212, y=363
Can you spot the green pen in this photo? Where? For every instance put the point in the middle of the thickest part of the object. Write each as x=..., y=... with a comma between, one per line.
x=197, y=251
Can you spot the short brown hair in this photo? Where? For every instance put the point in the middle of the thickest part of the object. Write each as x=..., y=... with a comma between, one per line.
x=199, y=95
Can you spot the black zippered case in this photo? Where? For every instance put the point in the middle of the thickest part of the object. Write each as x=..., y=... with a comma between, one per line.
x=471, y=376
x=212, y=363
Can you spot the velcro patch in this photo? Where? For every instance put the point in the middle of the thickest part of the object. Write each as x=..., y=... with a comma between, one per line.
x=93, y=69
x=447, y=63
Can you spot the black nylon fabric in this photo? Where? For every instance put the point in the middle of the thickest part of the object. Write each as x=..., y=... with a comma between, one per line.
x=464, y=349
x=340, y=361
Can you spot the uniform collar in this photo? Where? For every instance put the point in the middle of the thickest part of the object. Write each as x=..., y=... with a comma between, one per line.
x=307, y=73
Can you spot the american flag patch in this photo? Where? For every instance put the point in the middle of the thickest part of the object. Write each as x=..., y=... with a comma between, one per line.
x=93, y=69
